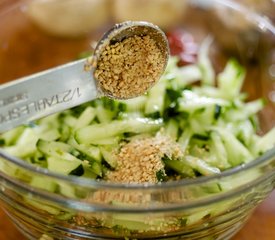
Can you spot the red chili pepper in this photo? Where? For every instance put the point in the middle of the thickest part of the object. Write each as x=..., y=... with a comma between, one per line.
x=182, y=44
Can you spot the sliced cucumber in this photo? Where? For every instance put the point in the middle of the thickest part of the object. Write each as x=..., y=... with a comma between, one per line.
x=172, y=129
x=86, y=117
x=104, y=115
x=61, y=165
x=109, y=156
x=43, y=183
x=135, y=104
x=155, y=102
x=57, y=149
x=10, y=137
x=201, y=166
x=106, y=130
x=191, y=102
x=237, y=153
x=179, y=166
x=231, y=79
x=90, y=151
x=204, y=62
x=219, y=150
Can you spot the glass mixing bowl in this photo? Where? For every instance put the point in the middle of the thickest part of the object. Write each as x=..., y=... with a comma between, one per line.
x=36, y=35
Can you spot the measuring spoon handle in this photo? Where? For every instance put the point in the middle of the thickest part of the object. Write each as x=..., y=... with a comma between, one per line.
x=44, y=93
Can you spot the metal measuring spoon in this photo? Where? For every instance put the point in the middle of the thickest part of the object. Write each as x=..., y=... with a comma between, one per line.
x=69, y=85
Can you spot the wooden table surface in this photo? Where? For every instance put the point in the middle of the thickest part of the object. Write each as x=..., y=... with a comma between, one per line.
x=261, y=225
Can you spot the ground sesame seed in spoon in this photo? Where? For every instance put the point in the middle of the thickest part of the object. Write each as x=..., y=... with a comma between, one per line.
x=128, y=60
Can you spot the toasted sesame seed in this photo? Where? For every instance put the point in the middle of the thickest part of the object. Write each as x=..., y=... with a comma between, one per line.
x=135, y=61
x=140, y=159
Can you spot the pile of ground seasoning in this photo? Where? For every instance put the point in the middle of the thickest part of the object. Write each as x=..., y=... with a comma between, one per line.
x=128, y=68
x=139, y=161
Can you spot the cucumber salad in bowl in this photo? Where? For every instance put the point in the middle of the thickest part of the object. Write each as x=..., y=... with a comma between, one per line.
x=194, y=123
x=191, y=123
